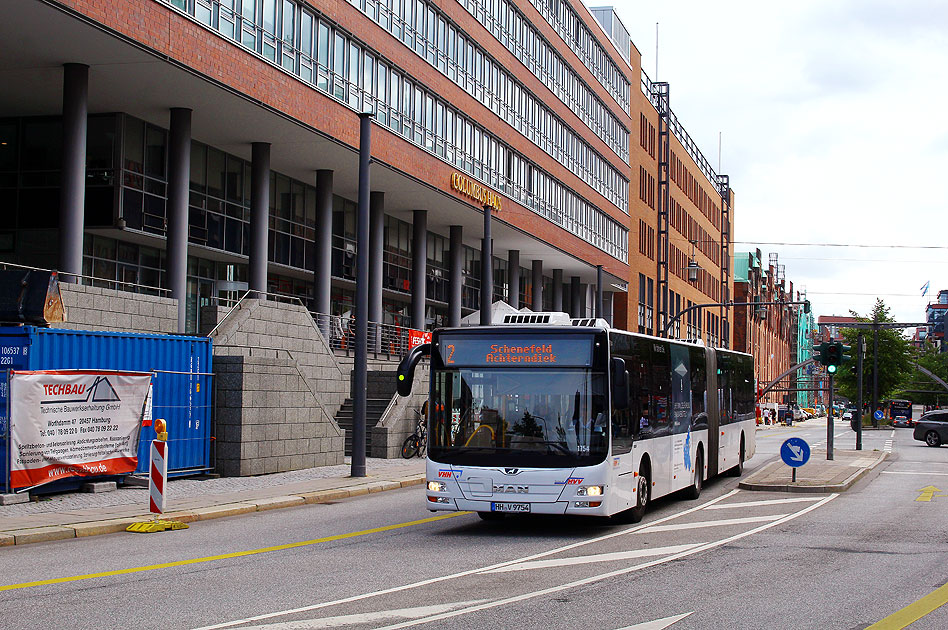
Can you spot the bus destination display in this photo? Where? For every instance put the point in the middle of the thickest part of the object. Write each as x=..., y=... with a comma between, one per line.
x=529, y=350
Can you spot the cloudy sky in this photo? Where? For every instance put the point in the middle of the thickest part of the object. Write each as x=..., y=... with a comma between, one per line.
x=833, y=117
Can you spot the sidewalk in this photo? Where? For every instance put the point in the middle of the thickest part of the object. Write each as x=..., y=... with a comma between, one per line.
x=76, y=514
x=818, y=475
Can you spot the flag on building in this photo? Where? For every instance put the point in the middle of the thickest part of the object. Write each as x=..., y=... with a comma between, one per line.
x=925, y=288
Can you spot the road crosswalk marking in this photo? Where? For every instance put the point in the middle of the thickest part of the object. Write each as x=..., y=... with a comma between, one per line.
x=746, y=504
x=720, y=523
x=599, y=557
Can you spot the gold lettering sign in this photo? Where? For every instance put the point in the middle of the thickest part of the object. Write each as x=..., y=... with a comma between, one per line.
x=470, y=188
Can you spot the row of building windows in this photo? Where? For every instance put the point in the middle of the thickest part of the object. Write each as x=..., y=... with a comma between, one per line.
x=646, y=240
x=581, y=41
x=692, y=319
x=520, y=37
x=686, y=225
x=692, y=187
x=442, y=44
x=403, y=105
x=647, y=187
x=647, y=136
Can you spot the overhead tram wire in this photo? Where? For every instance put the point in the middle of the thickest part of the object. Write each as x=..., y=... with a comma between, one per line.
x=862, y=245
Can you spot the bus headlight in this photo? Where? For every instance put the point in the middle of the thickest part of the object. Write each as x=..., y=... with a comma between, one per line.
x=589, y=491
x=436, y=486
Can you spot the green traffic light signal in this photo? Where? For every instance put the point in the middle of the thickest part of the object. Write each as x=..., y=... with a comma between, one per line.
x=831, y=368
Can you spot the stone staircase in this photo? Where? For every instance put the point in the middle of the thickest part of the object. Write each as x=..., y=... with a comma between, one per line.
x=380, y=387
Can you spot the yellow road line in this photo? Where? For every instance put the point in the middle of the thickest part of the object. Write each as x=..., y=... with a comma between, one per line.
x=225, y=556
x=914, y=611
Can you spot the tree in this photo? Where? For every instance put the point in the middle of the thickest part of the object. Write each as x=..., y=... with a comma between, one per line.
x=894, y=361
x=934, y=361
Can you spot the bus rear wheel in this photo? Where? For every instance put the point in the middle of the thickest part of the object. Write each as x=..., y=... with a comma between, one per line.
x=694, y=491
x=738, y=469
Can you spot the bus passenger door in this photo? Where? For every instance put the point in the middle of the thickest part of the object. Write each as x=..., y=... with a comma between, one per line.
x=715, y=444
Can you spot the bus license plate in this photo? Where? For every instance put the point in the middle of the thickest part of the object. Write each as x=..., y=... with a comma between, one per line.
x=509, y=507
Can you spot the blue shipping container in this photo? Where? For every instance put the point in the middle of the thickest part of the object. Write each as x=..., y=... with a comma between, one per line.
x=181, y=381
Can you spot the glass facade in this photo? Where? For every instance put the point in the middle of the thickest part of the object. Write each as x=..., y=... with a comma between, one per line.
x=327, y=57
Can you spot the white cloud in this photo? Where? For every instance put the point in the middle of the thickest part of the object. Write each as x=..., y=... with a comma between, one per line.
x=834, y=126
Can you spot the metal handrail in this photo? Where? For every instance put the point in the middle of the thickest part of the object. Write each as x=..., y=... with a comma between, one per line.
x=79, y=275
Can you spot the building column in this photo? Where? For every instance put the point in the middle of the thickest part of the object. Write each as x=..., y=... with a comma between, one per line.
x=259, y=217
x=376, y=234
x=419, y=266
x=557, y=291
x=575, y=298
x=179, y=176
x=322, y=271
x=487, y=269
x=537, y=302
x=513, y=278
x=72, y=201
x=456, y=280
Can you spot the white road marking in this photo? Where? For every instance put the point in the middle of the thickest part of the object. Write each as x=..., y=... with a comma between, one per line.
x=610, y=574
x=720, y=523
x=599, y=557
x=725, y=506
x=658, y=624
x=370, y=617
x=435, y=580
x=910, y=472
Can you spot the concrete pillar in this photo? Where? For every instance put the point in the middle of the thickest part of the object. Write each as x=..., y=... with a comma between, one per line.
x=179, y=177
x=259, y=216
x=513, y=278
x=73, y=192
x=376, y=235
x=575, y=298
x=599, y=311
x=537, y=302
x=419, y=266
x=487, y=269
x=322, y=271
x=557, y=291
x=456, y=280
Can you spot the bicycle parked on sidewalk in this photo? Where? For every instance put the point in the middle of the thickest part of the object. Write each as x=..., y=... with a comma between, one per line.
x=417, y=442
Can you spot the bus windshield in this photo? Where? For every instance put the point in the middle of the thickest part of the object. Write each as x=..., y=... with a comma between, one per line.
x=552, y=417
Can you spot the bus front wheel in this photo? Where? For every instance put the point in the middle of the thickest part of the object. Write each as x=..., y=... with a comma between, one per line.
x=643, y=491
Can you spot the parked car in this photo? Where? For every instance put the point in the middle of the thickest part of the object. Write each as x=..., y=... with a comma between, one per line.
x=932, y=428
x=902, y=421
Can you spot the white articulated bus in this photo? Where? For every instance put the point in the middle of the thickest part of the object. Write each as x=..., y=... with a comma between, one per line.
x=543, y=414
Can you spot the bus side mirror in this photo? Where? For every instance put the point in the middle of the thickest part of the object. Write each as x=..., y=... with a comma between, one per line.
x=406, y=369
x=620, y=384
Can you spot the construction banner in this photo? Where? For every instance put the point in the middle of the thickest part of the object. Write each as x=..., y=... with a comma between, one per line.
x=74, y=423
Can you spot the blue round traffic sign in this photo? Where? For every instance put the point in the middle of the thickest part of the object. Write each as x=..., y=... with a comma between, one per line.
x=795, y=452
x=878, y=415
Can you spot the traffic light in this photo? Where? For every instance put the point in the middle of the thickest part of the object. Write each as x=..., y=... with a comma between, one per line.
x=819, y=353
x=834, y=355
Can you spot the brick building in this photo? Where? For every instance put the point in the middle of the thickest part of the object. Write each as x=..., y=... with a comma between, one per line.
x=768, y=332
x=193, y=150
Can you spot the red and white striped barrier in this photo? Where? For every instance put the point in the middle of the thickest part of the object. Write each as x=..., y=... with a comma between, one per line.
x=159, y=472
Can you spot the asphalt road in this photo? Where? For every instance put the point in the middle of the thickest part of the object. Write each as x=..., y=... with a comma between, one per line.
x=732, y=558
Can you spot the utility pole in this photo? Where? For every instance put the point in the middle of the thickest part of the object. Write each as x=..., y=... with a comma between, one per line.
x=860, y=351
